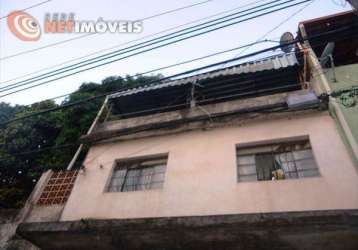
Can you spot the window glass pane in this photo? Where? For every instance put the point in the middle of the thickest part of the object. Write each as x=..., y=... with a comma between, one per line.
x=247, y=170
x=289, y=167
x=160, y=169
x=147, y=171
x=291, y=175
x=117, y=182
x=264, y=166
x=156, y=185
x=308, y=173
x=264, y=162
x=303, y=154
x=138, y=175
x=306, y=164
x=284, y=157
x=133, y=173
x=245, y=160
x=158, y=177
x=150, y=163
x=256, y=150
x=145, y=179
x=119, y=173
x=131, y=181
x=128, y=188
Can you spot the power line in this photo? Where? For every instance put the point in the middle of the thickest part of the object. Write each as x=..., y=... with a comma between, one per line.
x=30, y=7
x=177, y=75
x=44, y=149
x=37, y=151
x=89, y=34
x=266, y=108
x=185, y=38
x=122, y=89
x=270, y=108
x=178, y=64
x=72, y=145
x=277, y=26
x=27, y=8
x=144, y=44
x=131, y=41
x=186, y=62
x=319, y=36
x=175, y=10
x=46, y=46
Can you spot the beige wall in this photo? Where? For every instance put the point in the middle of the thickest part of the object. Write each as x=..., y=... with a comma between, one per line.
x=201, y=175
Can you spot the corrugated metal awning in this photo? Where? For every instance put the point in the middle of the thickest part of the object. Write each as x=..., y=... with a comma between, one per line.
x=271, y=63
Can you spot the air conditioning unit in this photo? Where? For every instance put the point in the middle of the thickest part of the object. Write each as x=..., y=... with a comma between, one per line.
x=302, y=99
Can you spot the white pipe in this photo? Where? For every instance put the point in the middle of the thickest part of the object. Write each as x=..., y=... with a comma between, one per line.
x=336, y=108
x=79, y=149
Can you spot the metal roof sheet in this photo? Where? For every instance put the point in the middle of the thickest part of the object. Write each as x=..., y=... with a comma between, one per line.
x=271, y=63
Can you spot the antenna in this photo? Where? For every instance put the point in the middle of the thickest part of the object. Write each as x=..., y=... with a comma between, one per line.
x=286, y=38
x=326, y=54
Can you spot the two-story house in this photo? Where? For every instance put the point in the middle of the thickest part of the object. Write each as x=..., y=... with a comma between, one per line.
x=244, y=157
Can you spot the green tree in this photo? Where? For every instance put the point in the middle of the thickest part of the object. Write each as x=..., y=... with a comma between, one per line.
x=47, y=137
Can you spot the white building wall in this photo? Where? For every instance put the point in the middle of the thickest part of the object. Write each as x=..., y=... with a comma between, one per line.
x=201, y=176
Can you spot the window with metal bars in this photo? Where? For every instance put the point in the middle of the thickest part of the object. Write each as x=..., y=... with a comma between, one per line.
x=138, y=174
x=276, y=161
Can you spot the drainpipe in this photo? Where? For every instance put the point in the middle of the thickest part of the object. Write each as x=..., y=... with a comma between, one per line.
x=337, y=109
x=94, y=123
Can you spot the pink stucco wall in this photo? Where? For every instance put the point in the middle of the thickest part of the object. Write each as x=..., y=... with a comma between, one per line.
x=201, y=174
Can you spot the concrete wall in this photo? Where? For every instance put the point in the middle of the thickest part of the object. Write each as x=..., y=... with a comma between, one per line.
x=8, y=225
x=201, y=174
x=10, y=219
x=32, y=212
x=185, y=119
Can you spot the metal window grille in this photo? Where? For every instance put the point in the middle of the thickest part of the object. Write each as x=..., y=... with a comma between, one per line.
x=276, y=161
x=58, y=188
x=135, y=175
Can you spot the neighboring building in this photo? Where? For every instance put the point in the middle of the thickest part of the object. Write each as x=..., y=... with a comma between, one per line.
x=245, y=157
x=338, y=75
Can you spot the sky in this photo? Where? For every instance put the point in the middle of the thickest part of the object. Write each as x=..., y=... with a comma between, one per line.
x=223, y=39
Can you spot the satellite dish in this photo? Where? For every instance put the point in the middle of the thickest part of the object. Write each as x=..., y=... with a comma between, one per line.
x=285, y=41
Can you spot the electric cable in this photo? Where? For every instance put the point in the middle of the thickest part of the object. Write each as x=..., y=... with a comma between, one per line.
x=159, y=46
x=89, y=34
x=131, y=41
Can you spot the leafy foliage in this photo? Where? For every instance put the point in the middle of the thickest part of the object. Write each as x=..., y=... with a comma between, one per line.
x=31, y=146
